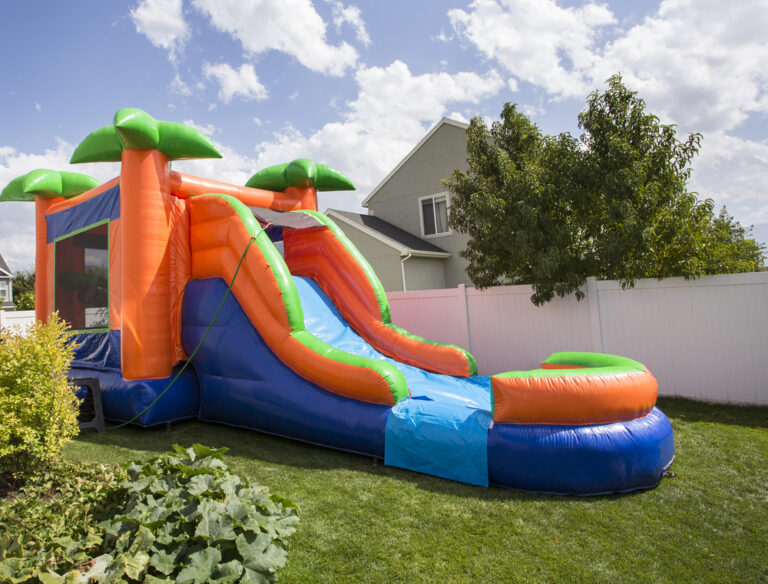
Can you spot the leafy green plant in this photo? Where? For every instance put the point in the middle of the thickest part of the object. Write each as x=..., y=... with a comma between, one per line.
x=24, y=290
x=24, y=301
x=38, y=407
x=51, y=523
x=188, y=519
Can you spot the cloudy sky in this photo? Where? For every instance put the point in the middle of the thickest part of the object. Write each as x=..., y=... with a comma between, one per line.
x=356, y=85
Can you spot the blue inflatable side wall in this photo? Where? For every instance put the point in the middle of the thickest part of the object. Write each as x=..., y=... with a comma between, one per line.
x=122, y=400
x=242, y=383
x=582, y=460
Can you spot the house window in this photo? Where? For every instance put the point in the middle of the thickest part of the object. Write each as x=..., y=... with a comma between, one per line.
x=434, y=215
x=82, y=278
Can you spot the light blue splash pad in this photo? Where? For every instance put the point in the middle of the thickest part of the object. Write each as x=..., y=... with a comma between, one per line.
x=440, y=439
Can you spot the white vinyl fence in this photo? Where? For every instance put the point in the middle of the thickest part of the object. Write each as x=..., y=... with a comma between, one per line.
x=704, y=339
x=20, y=318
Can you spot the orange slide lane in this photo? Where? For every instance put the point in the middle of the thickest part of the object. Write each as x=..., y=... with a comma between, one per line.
x=320, y=254
x=218, y=235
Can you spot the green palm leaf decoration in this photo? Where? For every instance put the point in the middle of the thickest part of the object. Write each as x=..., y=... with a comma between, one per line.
x=301, y=172
x=47, y=184
x=133, y=128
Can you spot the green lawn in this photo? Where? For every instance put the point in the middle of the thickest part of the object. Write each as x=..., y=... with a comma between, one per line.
x=364, y=522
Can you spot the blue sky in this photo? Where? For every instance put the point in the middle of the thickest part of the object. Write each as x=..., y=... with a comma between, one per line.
x=358, y=84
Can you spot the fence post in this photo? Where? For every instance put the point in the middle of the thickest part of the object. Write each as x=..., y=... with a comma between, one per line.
x=467, y=324
x=595, y=321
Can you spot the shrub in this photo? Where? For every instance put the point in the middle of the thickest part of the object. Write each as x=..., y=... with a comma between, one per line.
x=51, y=524
x=182, y=517
x=189, y=520
x=24, y=301
x=38, y=407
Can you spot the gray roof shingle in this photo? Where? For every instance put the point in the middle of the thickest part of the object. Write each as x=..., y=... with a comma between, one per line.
x=388, y=230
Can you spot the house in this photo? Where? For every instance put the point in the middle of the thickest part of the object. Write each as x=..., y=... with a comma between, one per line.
x=405, y=235
x=6, y=285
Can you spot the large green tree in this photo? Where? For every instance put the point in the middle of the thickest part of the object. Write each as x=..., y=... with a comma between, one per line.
x=552, y=211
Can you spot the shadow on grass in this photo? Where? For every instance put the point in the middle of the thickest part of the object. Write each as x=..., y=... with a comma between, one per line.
x=695, y=411
x=275, y=450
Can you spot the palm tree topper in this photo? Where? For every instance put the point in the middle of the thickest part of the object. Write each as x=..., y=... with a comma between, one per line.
x=47, y=184
x=133, y=128
x=301, y=172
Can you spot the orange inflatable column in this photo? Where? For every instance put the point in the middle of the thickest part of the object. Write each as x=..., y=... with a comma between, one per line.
x=307, y=196
x=43, y=260
x=145, y=226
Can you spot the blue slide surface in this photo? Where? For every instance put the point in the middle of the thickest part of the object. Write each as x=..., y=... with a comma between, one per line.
x=442, y=429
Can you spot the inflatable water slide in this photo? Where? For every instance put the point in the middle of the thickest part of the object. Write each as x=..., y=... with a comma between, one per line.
x=243, y=305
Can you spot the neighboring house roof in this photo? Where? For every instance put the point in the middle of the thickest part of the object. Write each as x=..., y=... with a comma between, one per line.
x=437, y=126
x=4, y=269
x=390, y=235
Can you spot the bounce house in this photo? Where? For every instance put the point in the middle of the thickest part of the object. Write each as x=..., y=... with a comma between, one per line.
x=243, y=305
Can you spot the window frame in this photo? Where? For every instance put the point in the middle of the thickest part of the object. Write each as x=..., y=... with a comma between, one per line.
x=109, y=288
x=434, y=196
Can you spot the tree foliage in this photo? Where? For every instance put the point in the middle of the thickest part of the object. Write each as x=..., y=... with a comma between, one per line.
x=24, y=290
x=553, y=210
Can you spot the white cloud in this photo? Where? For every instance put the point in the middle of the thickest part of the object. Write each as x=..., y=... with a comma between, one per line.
x=17, y=220
x=458, y=116
x=178, y=86
x=732, y=171
x=391, y=113
x=349, y=15
x=233, y=167
x=533, y=111
x=537, y=40
x=290, y=26
x=207, y=129
x=700, y=63
x=162, y=22
x=241, y=82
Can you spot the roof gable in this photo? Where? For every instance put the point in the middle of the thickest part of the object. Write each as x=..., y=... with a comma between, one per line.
x=4, y=269
x=424, y=140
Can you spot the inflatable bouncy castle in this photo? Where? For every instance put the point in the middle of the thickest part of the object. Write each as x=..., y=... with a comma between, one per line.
x=193, y=298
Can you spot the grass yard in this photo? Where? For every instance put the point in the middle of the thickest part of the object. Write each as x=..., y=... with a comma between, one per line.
x=362, y=521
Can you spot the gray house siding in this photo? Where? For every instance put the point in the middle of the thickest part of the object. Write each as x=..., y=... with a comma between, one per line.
x=391, y=236
x=393, y=254
x=396, y=200
x=6, y=285
x=420, y=174
x=384, y=261
x=424, y=274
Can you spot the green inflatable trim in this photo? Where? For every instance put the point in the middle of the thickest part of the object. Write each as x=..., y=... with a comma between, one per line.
x=378, y=289
x=593, y=363
x=133, y=128
x=592, y=360
x=301, y=172
x=393, y=377
x=47, y=184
